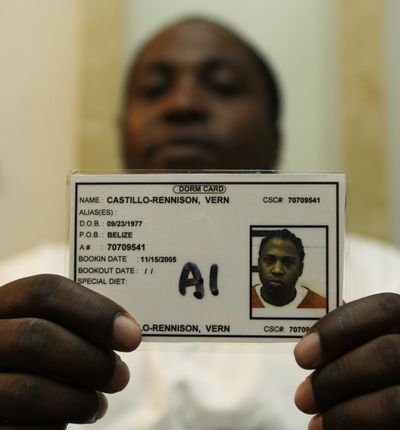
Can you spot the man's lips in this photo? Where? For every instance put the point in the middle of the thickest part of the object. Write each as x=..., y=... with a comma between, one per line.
x=275, y=283
x=183, y=146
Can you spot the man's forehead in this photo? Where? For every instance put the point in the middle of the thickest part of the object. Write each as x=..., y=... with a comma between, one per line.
x=189, y=43
x=280, y=246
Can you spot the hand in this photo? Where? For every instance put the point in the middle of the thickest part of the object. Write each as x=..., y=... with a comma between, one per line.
x=356, y=353
x=56, y=353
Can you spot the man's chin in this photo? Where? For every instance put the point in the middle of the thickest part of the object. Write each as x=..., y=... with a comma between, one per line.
x=183, y=161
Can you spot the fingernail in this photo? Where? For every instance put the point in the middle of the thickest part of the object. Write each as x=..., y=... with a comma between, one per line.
x=304, y=397
x=308, y=351
x=316, y=423
x=120, y=377
x=126, y=333
x=103, y=406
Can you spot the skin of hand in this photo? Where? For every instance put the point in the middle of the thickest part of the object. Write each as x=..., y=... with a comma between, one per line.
x=57, y=342
x=355, y=351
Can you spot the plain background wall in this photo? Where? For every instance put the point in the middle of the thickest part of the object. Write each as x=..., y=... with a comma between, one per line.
x=391, y=22
x=39, y=74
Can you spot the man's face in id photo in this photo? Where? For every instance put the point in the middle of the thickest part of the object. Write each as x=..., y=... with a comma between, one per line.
x=279, y=264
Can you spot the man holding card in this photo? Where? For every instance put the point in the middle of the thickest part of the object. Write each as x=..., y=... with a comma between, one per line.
x=198, y=97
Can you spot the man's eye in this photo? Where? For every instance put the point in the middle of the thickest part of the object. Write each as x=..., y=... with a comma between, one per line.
x=154, y=90
x=288, y=262
x=152, y=85
x=223, y=81
x=269, y=260
x=225, y=89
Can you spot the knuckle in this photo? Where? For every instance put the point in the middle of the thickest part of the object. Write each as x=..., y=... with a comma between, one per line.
x=322, y=382
x=391, y=400
x=29, y=388
x=390, y=305
x=32, y=337
x=328, y=374
x=387, y=348
x=375, y=410
x=390, y=297
x=102, y=366
x=42, y=288
x=336, y=418
x=27, y=392
x=20, y=397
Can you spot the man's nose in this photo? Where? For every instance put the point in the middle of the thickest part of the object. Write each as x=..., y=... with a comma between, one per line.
x=277, y=268
x=185, y=103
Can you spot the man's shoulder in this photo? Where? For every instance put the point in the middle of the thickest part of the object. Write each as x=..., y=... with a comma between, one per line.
x=312, y=300
x=255, y=299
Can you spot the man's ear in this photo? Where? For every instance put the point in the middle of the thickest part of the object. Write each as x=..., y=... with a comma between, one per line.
x=274, y=150
x=258, y=267
x=301, y=269
x=123, y=139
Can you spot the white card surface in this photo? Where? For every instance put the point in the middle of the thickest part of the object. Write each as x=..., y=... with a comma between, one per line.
x=181, y=251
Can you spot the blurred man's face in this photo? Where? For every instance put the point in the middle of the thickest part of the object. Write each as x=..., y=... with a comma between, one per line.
x=198, y=101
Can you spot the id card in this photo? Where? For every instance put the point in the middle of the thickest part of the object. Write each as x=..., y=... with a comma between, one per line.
x=211, y=256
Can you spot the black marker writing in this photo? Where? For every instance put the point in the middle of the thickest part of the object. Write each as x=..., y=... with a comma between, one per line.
x=213, y=280
x=197, y=280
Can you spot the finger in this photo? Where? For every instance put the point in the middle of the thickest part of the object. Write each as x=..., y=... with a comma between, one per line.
x=347, y=327
x=33, y=399
x=346, y=377
x=73, y=306
x=33, y=427
x=378, y=410
x=32, y=345
x=350, y=376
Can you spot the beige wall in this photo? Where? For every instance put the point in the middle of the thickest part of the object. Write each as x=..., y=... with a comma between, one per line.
x=39, y=51
x=392, y=93
x=102, y=66
x=363, y=115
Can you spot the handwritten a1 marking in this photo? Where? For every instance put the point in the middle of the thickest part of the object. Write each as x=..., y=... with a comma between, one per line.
x=197, y=280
